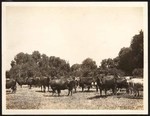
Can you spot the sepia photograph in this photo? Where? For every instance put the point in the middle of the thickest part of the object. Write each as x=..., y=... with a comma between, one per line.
x=74, y=58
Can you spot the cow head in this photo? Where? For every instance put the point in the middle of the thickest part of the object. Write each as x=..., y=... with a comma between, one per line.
x=100, y=79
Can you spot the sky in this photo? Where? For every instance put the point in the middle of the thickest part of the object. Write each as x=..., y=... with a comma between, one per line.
x=73, y=33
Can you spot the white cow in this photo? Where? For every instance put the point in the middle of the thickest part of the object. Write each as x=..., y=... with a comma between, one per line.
x=136, y=85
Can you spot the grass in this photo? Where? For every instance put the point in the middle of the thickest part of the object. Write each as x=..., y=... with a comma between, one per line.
x=25, y=98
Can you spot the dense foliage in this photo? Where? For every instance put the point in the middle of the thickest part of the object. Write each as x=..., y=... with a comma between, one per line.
x=128, y=59
x=128, y=62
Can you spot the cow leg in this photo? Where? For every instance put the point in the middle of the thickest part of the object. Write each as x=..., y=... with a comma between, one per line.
x=96, y=89
x=105, y=92
x=44, y=88
x=118, y=90
x=12, y=88
x=58, y=92
x=41, y=88
x=75, y=90
x=135, y=93
x=127, y=90
x=53, y=92
x=114, y=90
x=82, y=89
x=131, y=91
x=71, y=92
x=88, y=88
x=68, y=92
x=100, y=90
x=13, y=91
x=30, y=86
x=15, y=87
x=138, y=93
x=48, y=88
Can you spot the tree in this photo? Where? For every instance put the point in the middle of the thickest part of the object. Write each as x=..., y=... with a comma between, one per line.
x=12, y=63
x=88, y=63
x=107, y=63
x=75, y=67
x=59, y=66
x=7, y=74
x=21, y=58
x=116, y=62
x=15, y=72
x=115, y=71
x=126, y=60
x=44, y=65
x=88, y=66
x=138, y=72
x=36, y=56
x=137, y=49
x=132, y=57
x=110, y=66
x=76, y=70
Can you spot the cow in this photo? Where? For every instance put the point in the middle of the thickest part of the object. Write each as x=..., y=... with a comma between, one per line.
x=62, y=83
x=122, y=83
x=21, y=81
x=86, y=82
x=128, y=78
x=37, y=82
x=11, y=83
x=136, y=85
x=76, y=79
x=94, y=84
x=30, y=81
x=106, y=82
x=44, y=81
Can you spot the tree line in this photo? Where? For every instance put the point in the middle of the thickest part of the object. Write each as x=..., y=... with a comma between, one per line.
x=128, y=62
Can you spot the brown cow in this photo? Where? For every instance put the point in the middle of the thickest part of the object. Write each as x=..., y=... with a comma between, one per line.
x=44, y=81
x=107, y=82
x=86, y=82
x=59, y=84
x=11, y=83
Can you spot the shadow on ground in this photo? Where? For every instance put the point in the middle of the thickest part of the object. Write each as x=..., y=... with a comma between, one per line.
x=119, y=95
x=10, y=92
x=56, y=95
x=132, y=96
x=98, y=96
x=87, y=91
x=42, y=91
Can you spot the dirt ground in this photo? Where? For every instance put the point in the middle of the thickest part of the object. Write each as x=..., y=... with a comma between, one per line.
x=25, y=98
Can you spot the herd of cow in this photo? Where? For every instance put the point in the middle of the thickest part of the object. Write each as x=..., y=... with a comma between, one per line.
x=101, y=82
